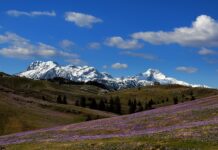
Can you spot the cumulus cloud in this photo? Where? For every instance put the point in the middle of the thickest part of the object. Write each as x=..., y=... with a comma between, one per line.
x=210, y=60
x=66, y=44
x=203, y=32
x=140, y=55
x=17, y=13
x=187, y=69
x=19, y=47
x=66, y=54
x=119, y=42
x=205, y=51
x=119, y=66
x=94, y=45
x=76, y=61
x=105, y=67
x=81, y=19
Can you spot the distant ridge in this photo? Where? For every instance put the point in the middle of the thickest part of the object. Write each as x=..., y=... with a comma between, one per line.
x=49, y=70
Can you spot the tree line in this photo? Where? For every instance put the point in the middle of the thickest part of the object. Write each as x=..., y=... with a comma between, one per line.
x=111, y=105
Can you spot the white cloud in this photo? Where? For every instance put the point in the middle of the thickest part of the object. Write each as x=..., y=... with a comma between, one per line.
x=66, y=44
x=105, y=67
x=187, y=69
x=205, y=51
x=81, y=19
x=94, y=45
x=66, y=54
x=211, y=60
x=19, y=47
x=17, y=13
x=119, y=42
x=140, y=55
x=203, y=33
x=75, y=61
x=119, y=66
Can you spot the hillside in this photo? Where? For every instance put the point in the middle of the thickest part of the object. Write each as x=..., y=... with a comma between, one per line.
x=27, y=104
x=188, y=125
x=161, y=95
x=32, y=104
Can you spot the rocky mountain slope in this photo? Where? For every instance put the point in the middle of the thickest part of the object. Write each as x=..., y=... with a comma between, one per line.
x=50, y=69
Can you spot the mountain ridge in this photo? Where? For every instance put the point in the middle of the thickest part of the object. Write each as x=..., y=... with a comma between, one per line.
x=48, y=70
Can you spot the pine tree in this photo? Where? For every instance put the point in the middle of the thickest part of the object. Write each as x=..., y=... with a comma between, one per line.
x=117, y=107
x=64, y=101
x=132, y=107
x=129, y=102
x=88, y=118
x=192, y=98
x=77, y=103
x=139, y=108
x=93, y=104
x=146, y=106
x=111, y=104
x=175, y=100
x=83, y=101
x=150, y=103
x=59, y=99
x=101, y=105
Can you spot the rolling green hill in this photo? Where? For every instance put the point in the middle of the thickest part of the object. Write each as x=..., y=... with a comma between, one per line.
x=190, y=125
x=27, y=104
x=161, y=95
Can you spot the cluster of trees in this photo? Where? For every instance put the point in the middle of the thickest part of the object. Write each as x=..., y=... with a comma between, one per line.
x=135, y=106
x=61, y=100
x=113, y=105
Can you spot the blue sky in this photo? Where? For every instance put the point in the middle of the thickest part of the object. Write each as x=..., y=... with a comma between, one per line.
x=180, y=38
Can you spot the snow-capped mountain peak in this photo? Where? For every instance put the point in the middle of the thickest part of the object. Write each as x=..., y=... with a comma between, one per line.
x=50, y=69
x=41, y=64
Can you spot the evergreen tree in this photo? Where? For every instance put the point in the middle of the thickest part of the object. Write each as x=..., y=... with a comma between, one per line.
x=93, y=104
x=129, y=102
x=77, y=103
x=64, y=101
x=101, y=105
x=88, y=118
x=146, y=106
x=139, y=108
x=175, y=100
x=192, y=98
x=132, y=107
x=83, y=101
x=117, y=107
x=59, y=99
x=111, y=104
x=150, y=103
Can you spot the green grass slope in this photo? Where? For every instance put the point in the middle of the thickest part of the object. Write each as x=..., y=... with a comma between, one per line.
x=27, y=104
x=159, y=94
x=190, y=125
x=22, y=107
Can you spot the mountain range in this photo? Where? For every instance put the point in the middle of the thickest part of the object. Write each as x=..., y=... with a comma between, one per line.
x=48, y=70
